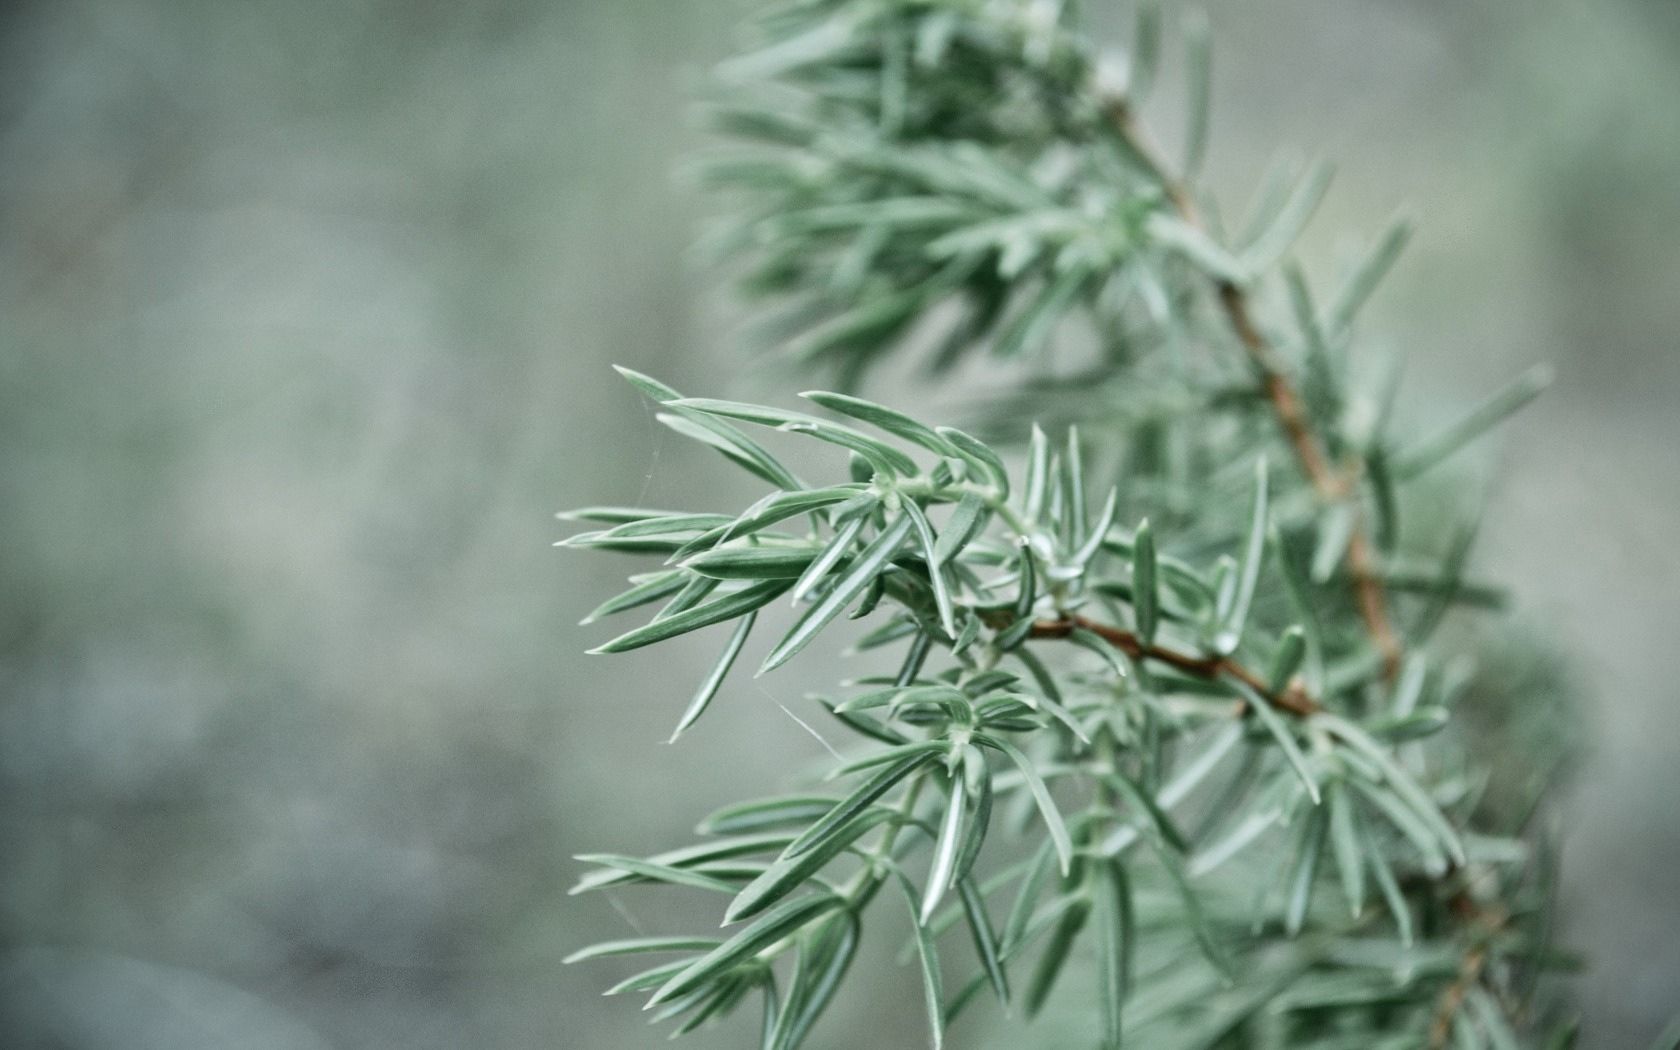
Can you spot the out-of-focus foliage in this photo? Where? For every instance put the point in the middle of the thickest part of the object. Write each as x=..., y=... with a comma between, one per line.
x=305, y=310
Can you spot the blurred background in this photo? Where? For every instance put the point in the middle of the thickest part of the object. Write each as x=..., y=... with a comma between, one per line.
x=306, y=310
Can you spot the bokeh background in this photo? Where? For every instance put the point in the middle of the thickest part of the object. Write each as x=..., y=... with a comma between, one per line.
x=306, y=308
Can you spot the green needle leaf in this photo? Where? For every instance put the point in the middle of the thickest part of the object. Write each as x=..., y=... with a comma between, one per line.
x=1408, y=823
x=911, y=758
x=1404, y=785
x=735, y=446
x=865, y=725
x=1038, y=474
x=770, y=928
x=1306, y=868
x=1484, y=417
x=985, y=939
x=689, y=856
x=648, y=979
x=890, y=420
x=1367, y=275
x=979, y=776
x=658, y=586
x=1096, y=643
x=1277, y=238
x=1115, y=937
x=1041, y=796
x=613, y=515
x=765, y=814
x=1021, y=912
x=1248, y=573
x=653, y=871
x=1150, y=810
x=1056, y=952
x=864, y=568
x=651, y=387
x=1195, y=245
x=1301, y=602
x=1291, y=649
x=779, y=506
x=885, y=459
x=928, y=953
x=753, y=563
x=727, y=607
x=936, y=577
x=638, y=945
x=1344, y=840
x=1094, y=540
x=965, y=523
x=791, y=871
x=838, y=547
x=821, y=964
x=714, y=680
x=975, y=453
x=695, y=591
x=1389, y=886
x=945, y=850
x=1072, y=482
x=1193, y=910
x=1145, y=596
x=884, y=455
x=1491, y=1019
x=1285, y=737
x=1335, y=529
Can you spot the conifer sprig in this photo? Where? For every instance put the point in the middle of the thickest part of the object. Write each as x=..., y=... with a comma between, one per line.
x=1139, y=702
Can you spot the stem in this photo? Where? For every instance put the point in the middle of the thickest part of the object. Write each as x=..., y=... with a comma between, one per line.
x=1327, y=482
x=1485, y=925
x=1293, y=699
x=870, y=878
x=995, y=502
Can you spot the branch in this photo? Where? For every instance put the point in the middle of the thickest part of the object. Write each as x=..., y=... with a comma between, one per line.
x=1327, y=482
x=1292, y=699
x=1470, y=970
x=1368, y=590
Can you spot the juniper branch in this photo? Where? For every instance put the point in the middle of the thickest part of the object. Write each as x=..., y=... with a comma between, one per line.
x=1329, y=483
x=920, y=154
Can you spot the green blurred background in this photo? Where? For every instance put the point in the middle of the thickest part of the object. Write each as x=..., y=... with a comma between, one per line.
x=305, y=316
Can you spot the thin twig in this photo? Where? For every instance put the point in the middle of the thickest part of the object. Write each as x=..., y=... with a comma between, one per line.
x=1470, y=971
x=1292, y=699
x=1485, y=924
x=1330, y=484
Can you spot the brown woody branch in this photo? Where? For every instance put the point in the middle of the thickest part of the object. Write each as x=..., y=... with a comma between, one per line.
x=1329, y=483
x=1292, y=698
x=1483, y=924
x=1470, y=971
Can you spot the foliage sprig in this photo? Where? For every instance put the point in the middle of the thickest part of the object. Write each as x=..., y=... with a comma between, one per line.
x=1162, y=682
